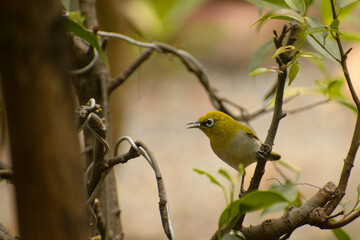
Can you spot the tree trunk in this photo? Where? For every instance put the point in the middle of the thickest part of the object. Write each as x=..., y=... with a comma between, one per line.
x=44, y=148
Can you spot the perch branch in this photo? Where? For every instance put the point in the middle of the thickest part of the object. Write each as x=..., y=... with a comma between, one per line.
x=276, y=228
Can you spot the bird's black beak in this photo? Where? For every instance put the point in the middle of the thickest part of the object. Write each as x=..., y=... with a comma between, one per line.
x=194, y=124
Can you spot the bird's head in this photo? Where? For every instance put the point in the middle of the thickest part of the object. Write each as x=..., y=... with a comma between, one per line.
x=217, y=125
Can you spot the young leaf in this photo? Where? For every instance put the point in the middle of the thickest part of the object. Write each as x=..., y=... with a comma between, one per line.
x=87, y=36
x=66, y=4
x=318, y=29
x=313, y=21
x=297, y=5
x=260, y=54
x=311, y=55
x=258, y=71
x=326, y=47
x=225, y=174
x=257, y=200
x=294, y=69
x=283, y=14
x=270, y=4
x=340, y=234
x=347, y=104
x=253, y=201
x=211, y=178
x=351, y=36
x=334, y=24
x=231, y=211
x=282, y=50
x=344, y=3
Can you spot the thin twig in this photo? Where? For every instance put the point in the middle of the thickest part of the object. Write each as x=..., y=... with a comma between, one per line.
x=101, y=226
x=190, y=62
x=308, y=107
x=114, y=83
x=355, y=142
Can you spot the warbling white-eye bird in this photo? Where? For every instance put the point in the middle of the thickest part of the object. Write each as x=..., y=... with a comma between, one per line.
x=231, y=141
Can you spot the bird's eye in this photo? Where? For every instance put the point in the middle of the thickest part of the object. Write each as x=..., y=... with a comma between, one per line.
x=209, y=122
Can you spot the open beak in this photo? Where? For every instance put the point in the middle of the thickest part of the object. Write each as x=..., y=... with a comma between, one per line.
x=194, y=124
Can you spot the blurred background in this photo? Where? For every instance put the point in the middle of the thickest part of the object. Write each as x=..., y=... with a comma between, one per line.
x=157, y=101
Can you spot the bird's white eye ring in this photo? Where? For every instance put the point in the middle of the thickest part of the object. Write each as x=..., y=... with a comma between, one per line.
x=209, y=122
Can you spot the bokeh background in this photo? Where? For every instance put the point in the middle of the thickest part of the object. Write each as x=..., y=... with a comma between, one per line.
x=155, y=104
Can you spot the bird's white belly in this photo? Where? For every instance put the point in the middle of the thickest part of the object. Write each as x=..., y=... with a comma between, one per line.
x=242, y=149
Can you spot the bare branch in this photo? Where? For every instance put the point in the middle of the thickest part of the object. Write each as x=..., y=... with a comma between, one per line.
x=355, y=142
x=296, y=217
x=101, y=226
x=308, y=107
x=114, y=83
x=5, y=234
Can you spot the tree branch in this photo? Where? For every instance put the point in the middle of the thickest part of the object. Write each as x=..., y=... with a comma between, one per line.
x=296, y=217
x=114, y=83
x=355, y=142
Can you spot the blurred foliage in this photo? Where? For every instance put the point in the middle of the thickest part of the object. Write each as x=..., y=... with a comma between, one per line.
x=159, y=20
x=318, y=33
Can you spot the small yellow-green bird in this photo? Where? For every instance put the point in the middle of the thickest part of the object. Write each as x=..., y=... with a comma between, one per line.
x=231, y=141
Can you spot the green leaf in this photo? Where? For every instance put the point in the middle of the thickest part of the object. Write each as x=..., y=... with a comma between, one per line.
x=86, y=35
x=259, y=200
x=326, y=47
x=313, y=21
x=297, y=5
x=270, y=4
x=326, y=12
x=288, y=191
x=214, y=181
x=231, y=211
x=258, y=71
x=211, y=178
x=241, y=169
x=66, y=4
x=340, y=234
x=290, y=166
x=347, y=104
x=358, y=189
x=294, y=69
x=351, y=36
x=322, y=29
x=253, y=201
x=334, y=24
x=260, y=54
x=282, y=14
x=344, y=3
x=311, y=55
x=281, y=50
x=225, y=174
